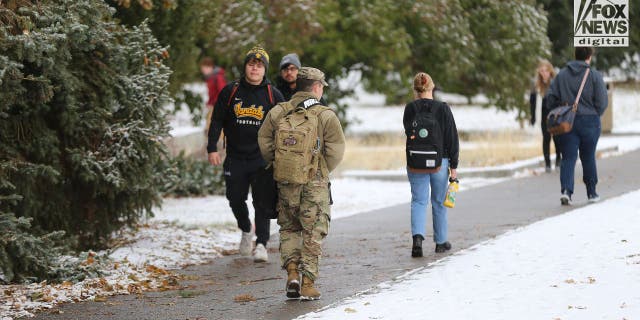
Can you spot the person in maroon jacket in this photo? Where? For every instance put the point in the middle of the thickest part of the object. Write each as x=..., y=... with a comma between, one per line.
x=214, y=77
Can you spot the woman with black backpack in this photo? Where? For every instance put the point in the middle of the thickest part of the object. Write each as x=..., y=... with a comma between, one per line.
x=432, y=157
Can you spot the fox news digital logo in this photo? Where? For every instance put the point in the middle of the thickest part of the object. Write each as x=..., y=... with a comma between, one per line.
x=601, y=23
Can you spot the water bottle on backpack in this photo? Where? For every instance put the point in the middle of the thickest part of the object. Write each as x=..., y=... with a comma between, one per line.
x=450, y=198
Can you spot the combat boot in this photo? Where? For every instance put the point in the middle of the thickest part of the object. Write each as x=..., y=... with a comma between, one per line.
x=293, y=281
x=308, y=292
x=416, y=249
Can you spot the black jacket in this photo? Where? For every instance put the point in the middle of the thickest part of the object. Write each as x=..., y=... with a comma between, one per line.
x=241, y=117
x=284, y=88
x=442, y=112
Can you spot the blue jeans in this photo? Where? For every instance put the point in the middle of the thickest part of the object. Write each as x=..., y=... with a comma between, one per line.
x=420, y=185
x=582, y=139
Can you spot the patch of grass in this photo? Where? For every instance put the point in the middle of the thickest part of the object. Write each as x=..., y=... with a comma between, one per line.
x=496, y=148
x=386, y=151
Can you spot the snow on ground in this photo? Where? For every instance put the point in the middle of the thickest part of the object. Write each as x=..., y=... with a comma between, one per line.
x=196, y=230
x=169, y=246
x=626, y=111
x=579, y=265
x=180, y=123
x=468, y=118
x=368, y=112
x=118, y=277
x=624, y=143
x=372, y=116
x=371, y=99
x=350, y=196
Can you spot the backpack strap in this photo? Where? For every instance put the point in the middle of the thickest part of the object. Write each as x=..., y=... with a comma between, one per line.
x=584, y=79
x=233, y=92
x=271, y=99
x=307, y=104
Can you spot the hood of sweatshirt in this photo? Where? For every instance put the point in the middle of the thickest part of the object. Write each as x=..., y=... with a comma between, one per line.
x=577, y=67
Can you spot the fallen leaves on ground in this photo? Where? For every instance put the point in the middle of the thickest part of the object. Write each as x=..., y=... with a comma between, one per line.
x=142, y=268
x=244, y=298
x=125, y=278
x=230, y=252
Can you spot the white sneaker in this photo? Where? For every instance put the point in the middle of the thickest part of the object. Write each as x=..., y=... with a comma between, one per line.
x=245, y=244
x=565, y=199
x=260, y=254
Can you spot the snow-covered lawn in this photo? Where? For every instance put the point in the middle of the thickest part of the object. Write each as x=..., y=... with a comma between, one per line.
x=370, y=115
x=584, y=264
x=468, y=118
x=626, y=111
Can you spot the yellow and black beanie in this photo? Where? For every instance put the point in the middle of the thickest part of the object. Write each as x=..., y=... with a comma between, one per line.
x=259, y=53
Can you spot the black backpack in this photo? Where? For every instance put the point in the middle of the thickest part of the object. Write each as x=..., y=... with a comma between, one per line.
x=424, y=138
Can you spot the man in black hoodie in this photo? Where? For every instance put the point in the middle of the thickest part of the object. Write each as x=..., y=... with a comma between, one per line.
x=586, y=127
x=240, y=110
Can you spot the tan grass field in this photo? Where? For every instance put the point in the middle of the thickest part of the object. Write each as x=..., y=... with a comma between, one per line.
x=386, y=151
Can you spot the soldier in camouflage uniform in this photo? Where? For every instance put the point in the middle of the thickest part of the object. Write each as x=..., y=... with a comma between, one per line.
x=304, y=214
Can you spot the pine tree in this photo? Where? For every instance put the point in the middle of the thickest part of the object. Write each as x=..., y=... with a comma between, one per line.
x=443, y=44
x=23, y=255
x=510, y=38
x=179, y=25
x=81, y=118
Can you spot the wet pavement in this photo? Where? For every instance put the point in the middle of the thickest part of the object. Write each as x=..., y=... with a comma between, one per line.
x=360, y=252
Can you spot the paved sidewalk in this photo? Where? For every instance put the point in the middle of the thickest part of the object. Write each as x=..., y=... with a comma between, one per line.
x=360, y=252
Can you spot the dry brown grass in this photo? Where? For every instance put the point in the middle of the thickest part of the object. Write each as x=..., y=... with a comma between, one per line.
x=385, y=151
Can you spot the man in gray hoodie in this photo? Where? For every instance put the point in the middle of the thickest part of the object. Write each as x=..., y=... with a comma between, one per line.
x=586, y=127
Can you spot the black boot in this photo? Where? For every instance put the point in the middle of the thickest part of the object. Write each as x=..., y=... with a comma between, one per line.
x=547, y=163
x=442, y=247
x=416, y=250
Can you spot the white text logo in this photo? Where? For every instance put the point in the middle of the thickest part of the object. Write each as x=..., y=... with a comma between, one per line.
x=601, y=23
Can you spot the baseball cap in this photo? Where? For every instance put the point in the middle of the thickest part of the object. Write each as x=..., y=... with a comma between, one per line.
x=312, y=74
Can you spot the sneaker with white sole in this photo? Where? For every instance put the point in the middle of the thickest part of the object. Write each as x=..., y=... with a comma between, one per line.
x=260, y=253
x=245, y=244
x=593, y=198
x=565, y=199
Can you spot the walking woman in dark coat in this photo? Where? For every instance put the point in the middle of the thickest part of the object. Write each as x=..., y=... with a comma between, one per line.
x=544, y=74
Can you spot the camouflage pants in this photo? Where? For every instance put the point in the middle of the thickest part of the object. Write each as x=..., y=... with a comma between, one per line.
x=303, y=216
